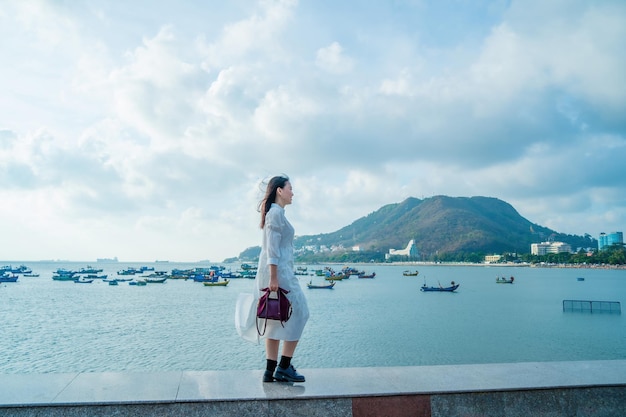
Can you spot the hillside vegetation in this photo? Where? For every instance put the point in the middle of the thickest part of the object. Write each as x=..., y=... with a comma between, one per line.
x=443, y=228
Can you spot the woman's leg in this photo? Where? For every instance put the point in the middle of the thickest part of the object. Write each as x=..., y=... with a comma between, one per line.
x=271, y=353
x=289, y=347
x=285, y=371
x=271, y=349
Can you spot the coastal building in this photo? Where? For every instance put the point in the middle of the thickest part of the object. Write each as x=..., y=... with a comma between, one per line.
x=608, y=239
x=545, y=248
x=492, y=259
x=410, y=251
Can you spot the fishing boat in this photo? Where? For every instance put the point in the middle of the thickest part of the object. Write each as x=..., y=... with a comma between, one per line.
x=139, y=282
x=301, y=270
x=338, y=277
x=451, y=288
x=216, y=283
x=9, y=278
x=89, y=270
x=22, y=269
x=95, y=276
x=504, y=280
x=363, y=275
x=329, y=286
x=31, y=275
x=250, y=273
x=203, y=277
x=155, y=280
x=64, y=277
x=408, y=273
x=229, y=274
x=113, y=282
x=63, y=274
x=122, y=279
x=348, y=270
x=248, y=267
x=83, y=280
x=162, y=274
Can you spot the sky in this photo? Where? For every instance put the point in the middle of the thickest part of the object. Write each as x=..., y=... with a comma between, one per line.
x=144, y=130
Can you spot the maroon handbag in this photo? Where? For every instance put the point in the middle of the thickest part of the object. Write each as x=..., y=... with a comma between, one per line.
x=273, y=308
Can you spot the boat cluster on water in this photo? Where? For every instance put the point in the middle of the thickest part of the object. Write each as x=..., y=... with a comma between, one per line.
x=212, y=276
x=11, y=274
x=331, y=276
x=89, y=274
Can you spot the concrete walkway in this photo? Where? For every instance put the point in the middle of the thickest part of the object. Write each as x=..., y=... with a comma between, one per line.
x=589, y=388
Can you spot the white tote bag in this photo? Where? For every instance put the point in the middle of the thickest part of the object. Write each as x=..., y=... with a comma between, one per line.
x=245, y=317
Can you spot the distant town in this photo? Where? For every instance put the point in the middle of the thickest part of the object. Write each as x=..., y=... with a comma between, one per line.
x=610, y=251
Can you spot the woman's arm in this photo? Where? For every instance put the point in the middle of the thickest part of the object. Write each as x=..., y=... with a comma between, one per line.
x=273, y=228
x=273, y=277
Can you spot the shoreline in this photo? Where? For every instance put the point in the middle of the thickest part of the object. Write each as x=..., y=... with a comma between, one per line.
x=403, y=263
x=490, y=265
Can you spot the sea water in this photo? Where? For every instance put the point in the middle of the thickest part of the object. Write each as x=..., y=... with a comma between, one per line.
x=52, y=326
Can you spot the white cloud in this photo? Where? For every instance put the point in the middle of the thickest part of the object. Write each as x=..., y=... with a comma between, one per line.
x=256, y=38
x=153, y=130
x=332, y=59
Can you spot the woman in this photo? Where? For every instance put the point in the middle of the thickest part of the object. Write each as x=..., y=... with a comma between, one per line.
x=275, y=270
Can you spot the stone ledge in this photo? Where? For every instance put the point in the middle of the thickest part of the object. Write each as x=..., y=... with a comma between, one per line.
x=587, y=388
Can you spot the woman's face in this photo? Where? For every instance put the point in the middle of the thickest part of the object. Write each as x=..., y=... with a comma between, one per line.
x=284, y=195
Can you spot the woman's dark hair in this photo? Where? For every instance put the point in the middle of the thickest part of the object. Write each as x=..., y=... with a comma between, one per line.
x=273, y=184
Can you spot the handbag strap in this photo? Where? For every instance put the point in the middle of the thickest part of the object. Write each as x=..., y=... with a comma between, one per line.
x=264, y=326
x=266, y=294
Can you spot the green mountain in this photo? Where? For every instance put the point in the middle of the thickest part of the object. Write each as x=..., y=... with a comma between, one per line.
x=442, y=225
